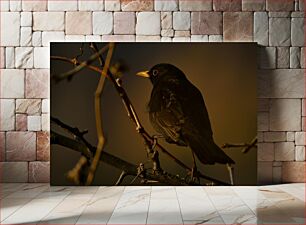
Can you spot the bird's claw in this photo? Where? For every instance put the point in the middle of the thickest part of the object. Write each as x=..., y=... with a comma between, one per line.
x=119, y=82
x=139, y=130
x=154, y=143
x=193, y=176
x=157, y=171
x=155, y=138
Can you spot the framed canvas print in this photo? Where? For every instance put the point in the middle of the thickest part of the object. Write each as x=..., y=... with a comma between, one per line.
x=153, y=114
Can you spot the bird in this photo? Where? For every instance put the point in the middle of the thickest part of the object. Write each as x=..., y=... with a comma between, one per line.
x=178, y=113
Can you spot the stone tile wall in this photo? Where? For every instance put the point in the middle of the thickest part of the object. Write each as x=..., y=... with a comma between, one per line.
x=27, y=27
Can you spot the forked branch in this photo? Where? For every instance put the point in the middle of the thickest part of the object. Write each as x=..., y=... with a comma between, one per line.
x=98, y=115
x=246, y=146
x=130, y=169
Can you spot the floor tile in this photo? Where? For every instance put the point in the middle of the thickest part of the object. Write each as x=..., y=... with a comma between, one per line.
x=100, y=208
x=164, y=212
x=195, y=204
x=298, y=191
x=273, y=215
x=164, y=206
x=132, y=207
x=32, y=212
x=69, y=209
x=230, y=206
x=7, y=189
x=9, y=206
x=247, y=192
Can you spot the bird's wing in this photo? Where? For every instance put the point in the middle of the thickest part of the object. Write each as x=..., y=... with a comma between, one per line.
x=178, y=105
x=196, y=112
x=178, y=111
x=166, y=114
x=197, y=130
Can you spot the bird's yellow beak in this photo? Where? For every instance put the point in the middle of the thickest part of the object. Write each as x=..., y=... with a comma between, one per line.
x=143, y=74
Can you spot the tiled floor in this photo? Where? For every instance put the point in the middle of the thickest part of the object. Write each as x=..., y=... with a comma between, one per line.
x=42, y=204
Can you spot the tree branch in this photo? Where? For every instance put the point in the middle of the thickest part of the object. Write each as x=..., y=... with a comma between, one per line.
x=75, y=132
x=98, y=114
x=95, y=49
x=71, y=61
x=131, y=169
x=251, y=145
x=121, y=178
x=79, y=66
x=246, y=146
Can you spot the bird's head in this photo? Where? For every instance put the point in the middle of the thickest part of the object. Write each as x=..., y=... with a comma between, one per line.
x=162, y=71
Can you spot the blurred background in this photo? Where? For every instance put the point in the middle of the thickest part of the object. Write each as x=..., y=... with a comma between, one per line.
x=225, y=73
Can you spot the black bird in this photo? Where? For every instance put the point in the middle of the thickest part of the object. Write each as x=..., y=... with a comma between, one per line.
x=178, y=112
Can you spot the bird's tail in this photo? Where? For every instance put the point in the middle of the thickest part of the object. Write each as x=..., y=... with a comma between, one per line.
x=208, y=152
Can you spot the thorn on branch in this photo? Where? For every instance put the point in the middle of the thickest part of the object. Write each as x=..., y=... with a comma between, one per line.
x=81, y=52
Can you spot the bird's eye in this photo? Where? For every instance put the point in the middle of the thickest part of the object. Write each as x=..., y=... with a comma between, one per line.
x=155, y=72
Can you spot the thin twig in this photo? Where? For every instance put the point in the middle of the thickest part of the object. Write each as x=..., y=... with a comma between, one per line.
x=98, y=114
x=77, y=134
x=94, y=47
x=81, y=52
x=246, y=146
x=65, y=59
x=82, y=65
x=141, y=171
x=229, y=145
x=121, y=178
x=74, y=174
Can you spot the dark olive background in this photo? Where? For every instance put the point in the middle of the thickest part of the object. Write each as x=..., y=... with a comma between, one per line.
x=224, y=72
